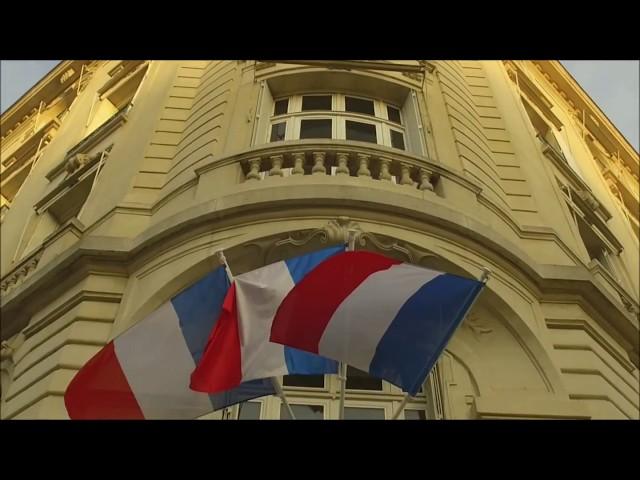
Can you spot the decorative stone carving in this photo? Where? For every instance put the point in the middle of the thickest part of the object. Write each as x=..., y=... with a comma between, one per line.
x=405, y=177
x=298, y=164
x=425, y=180
x=385, y=247
x=385, y=163
x=338, y=229
x=318, y=167
x=20, y=274
x=473, y=323
x=254, y=169
x=343, y=160
x=363, y=160
x=79, y=160
x=67, y=75
x=276, y=169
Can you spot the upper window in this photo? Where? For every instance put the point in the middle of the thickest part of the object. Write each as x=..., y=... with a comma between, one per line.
x=338, y=116
x=359, y=380
x=316, y=102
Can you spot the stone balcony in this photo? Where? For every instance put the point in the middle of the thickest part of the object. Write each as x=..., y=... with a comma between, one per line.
x=337, y=158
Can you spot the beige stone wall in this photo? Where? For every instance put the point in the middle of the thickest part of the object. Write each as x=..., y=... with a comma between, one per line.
x=550, y=338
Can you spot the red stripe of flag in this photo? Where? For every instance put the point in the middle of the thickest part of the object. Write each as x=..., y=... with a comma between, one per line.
x=220, y=367
x=305, y=312
x=100, y=390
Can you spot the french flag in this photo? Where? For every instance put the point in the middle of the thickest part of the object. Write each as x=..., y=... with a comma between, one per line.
x=387, y=318
x=144, y=373
x=239, y=349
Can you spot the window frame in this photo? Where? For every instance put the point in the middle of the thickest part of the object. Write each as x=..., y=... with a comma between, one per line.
x=339, y=116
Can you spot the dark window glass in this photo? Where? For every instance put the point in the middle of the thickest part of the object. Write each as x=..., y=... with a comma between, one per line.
x=393, y=114
x=249, y=411
x=354, y=413
x=415, y=415
x=277, y=131
x=359, y=105
x=397, y=140
x=316, y=102
x=303, y=412
x=362, y=132
x=281, y=106
x=315, y=128
x=359, y=380
x=313, y=381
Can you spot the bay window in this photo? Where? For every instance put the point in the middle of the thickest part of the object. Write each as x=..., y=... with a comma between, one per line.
x=336, y=116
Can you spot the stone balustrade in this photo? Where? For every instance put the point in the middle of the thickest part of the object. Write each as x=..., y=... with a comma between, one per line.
x=338, y=161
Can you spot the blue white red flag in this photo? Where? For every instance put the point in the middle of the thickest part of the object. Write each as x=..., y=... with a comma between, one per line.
x=387, y=318
x=239, y=349
x=144, y=373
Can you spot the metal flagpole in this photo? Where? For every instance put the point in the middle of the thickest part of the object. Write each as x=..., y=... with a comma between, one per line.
x=274, y=380
x=342, y=369
x=484, y=278
x=283, y=397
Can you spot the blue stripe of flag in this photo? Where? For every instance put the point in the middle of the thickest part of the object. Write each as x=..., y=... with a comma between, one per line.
x=421, y=329
x=198, y=308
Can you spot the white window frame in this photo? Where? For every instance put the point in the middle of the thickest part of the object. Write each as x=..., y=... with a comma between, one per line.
x=325, y=404
x=338, y=115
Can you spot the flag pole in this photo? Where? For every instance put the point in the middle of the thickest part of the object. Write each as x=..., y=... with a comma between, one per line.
x=274, y=380
x=283, y=397
x=342, y=370
x=484, y=278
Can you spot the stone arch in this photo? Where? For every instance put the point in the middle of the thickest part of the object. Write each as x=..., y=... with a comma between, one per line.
x=486, y=365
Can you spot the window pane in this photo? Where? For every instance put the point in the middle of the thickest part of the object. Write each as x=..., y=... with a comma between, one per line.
x=354, y=413
x=249, y=411
x=397, y=140
x=277, y=131
x=359, y=380
x=393, y=114
x=315, y=128
x=316, y=102
x=303, y=412
x=362, y=132
x=312, y=381
x=359, y=105
x=415, y=415
x=281, y=106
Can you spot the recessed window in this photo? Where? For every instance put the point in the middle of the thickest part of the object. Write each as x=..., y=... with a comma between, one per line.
x=308, y=381
x=356, y=413
x=278, y=131
x=363, y=132
x=315, y=128
x=359, y=380
x=303, y=412
x=316, y=102
x=397, y=139
x=249, y=411
x=393, y=114
x=359, y=105
x=415, y=415
x=281, y=106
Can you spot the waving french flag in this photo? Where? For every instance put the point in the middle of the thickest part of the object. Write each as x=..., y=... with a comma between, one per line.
x=144, y=373
x=239, y=349
x=387, y=318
